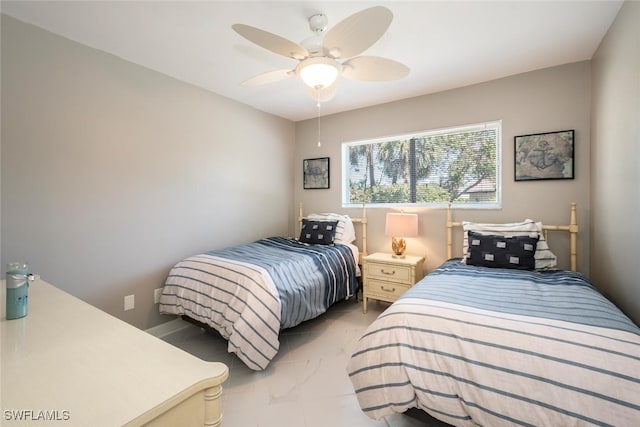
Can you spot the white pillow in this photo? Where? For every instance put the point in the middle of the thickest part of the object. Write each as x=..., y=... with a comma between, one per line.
x=345, y=231
x=543, y=256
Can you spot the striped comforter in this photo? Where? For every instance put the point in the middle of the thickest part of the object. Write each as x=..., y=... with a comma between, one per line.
x=478, y=346
x=249, y=292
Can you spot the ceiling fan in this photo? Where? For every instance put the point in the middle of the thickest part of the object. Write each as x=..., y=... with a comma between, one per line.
x=326, y=55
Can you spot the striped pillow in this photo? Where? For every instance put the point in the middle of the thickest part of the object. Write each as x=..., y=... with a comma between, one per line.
x=544, y=257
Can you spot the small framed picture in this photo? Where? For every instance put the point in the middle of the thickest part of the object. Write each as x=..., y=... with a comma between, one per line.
x=544, y=156
x=315, y=173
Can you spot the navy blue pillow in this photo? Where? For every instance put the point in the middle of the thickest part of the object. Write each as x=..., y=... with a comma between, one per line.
x=318, y=232
x=516, y=252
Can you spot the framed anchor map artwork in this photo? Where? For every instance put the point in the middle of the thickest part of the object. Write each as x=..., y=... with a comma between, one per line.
x=545, y=156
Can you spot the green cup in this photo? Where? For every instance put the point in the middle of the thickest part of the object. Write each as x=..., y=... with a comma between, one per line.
x=17, y=289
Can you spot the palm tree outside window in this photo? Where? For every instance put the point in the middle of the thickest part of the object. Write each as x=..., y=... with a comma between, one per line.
x=458, y=165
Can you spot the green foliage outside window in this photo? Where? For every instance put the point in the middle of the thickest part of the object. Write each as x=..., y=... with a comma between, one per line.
x=459, y=166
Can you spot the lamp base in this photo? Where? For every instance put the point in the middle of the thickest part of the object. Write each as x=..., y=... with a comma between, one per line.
x=399, y=246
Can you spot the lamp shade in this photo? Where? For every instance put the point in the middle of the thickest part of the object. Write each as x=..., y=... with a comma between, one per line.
x=401, y=225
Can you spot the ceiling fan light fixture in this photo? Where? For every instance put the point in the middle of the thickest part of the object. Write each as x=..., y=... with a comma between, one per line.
x=318, y=72
x=324, y=94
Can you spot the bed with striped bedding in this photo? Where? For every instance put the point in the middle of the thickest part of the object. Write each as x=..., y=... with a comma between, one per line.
x=496, y=347
x=248, y=293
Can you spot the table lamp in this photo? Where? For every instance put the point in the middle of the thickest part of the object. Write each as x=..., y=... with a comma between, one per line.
x=399, y=226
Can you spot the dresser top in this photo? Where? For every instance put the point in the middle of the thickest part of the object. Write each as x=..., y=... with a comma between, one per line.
x=70, y=357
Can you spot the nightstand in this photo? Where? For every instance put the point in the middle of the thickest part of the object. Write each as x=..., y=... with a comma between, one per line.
x=385, y=278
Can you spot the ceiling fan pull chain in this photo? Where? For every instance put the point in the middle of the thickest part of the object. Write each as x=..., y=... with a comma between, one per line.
x=318, y=105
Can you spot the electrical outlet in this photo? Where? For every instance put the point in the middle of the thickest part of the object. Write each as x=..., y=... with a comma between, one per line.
x=156, y=295
x=129, y=302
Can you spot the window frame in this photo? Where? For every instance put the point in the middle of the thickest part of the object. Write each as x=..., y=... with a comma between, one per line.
x=497, y=204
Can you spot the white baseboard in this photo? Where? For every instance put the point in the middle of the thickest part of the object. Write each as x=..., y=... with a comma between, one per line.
x=167, y=328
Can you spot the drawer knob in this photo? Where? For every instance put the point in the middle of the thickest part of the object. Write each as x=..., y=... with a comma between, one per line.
x=388, y=273
x=387, y=290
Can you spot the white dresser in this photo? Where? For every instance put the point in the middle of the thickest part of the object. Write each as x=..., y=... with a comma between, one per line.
x=75, y=365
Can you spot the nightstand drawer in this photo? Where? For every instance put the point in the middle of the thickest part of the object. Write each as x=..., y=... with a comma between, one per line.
x=385, y=290
x=396, y=273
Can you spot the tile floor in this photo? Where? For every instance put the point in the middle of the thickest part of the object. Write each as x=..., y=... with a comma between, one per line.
x=306, y=385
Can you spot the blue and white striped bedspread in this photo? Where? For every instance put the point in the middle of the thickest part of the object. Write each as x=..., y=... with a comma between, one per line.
x=249, y=292
x=477, y=346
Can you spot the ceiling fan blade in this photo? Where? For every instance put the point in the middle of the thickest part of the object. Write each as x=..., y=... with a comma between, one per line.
x=373, y=69
x=268, y=77
x=357, y=33
x=271, y=41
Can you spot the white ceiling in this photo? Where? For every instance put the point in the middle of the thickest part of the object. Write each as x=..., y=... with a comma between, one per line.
x=446, y=44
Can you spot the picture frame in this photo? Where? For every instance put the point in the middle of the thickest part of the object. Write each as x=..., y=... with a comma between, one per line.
x=315, y=173
x=544, y=156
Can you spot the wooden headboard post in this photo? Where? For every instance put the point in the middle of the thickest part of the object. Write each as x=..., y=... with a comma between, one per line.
x=363, y=220
x=300, y=218
x=572, y=228
x=450, y=225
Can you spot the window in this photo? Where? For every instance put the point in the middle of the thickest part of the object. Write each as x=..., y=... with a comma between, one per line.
x=434, y=168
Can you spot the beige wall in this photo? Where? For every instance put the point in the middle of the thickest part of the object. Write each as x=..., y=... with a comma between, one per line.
x=111, y=172
x=615, y=151
x=546, y=100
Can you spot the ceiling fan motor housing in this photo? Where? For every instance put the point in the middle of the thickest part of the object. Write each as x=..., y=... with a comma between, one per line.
x=313, y=45
x=318, y=23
